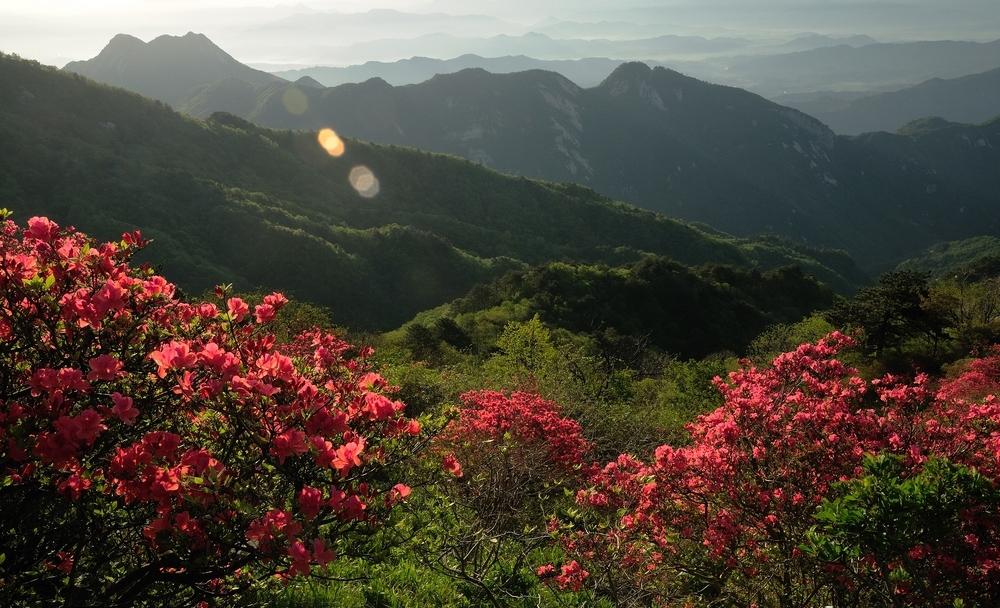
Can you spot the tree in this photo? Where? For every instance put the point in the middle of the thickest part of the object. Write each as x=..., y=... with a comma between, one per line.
x=164, y=452
x=890, y=312
x=971, y=310
x=422, y=343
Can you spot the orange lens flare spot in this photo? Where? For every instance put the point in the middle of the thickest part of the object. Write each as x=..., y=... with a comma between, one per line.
x=331, y=142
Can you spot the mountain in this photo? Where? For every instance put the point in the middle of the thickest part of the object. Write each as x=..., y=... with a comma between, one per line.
x=167, y=68
x=583, y=72
x=615, y=30
x=308, y=81
x=846, y=67
x=227, y=201
x=815, y=103
x=968, y=99
x=674, y=144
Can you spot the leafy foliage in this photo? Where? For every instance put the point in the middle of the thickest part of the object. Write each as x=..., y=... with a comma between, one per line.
x=890, y=312
x=958, y=258
x=923, y=539
x=907, y=320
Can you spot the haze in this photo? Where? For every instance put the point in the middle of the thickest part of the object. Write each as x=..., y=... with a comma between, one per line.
x=347, y=31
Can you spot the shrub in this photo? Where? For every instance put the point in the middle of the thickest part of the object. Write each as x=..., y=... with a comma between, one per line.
x=724, y=520
x=154, y=450
x=902, y=539
x=511, y=458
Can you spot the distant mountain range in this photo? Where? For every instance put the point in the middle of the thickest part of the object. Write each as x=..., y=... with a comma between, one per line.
x=388, y=35
x=583, y=72
x=807, y=42
x=969, y=99
x=534, y=44
x=874, y=66
x=227, y=201
x=670, y=143
x=534, y=51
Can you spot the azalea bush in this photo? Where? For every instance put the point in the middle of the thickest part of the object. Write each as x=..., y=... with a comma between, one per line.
x=510, y=459
x=170, y=452
x=726, y=520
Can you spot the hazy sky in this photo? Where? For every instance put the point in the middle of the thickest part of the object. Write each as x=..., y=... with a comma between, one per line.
x=261, y=31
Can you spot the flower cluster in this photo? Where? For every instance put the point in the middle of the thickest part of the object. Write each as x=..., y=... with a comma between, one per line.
x=569, y=577
x=727, y=515
x=526, y=418
x=179, y=437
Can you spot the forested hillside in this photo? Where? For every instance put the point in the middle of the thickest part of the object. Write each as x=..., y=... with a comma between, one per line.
x=229, y=202
x=671, y=143
x=654, y=303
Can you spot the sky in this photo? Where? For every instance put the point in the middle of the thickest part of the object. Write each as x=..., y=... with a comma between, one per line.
x=274, y=31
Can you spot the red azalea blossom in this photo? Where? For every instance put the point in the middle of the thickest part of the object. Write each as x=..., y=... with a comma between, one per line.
x=744, y=492
x=124, y=409
x=238, y=309
x=104, y=367
x=452, y=465
x=182, y=426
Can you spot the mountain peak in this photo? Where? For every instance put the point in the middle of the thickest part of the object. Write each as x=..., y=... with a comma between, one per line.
x=124, y=39
x=632, y=76
x=309, y=81
x=122, y=43
x=190, y=39
x=168, y=67
x=631, y=70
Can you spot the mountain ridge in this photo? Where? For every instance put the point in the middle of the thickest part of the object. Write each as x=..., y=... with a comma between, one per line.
x=668, y=142
x=227, y=201
x=971, y=99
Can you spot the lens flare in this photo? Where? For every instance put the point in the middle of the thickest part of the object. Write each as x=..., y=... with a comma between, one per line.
x=364, y=181
x=331, y=142
x=295, y=101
